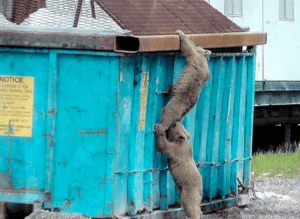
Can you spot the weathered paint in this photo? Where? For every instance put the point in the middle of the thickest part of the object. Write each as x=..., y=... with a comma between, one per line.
x=88, y=153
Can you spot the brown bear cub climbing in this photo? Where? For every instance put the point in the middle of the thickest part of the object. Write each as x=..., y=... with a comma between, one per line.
x=186, y=91
x=174, y=145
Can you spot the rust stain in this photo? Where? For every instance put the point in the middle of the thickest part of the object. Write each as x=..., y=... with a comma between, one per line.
x=52, y=112
x=67, y=202
x=48, y=196
x=77, y=109
x=92, y=132
x=51, y=138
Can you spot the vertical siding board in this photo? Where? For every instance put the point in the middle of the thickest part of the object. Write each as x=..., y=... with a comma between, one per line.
x=149, y=134
x=216, y=139
x=214, y=123
x=242, y=118
x=163, y=175
x=238, y=124
x=211, y=127
x=111, y=136
x=249, y=117
x=159, y=161
x=140, y=138
x=205, y=132
x=134, y=177
x=52, y=104
x=230, y=116
x=226, y=127
x=124, y=125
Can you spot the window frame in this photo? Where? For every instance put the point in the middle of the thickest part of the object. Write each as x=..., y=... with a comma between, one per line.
x=283, y=11
x=233, y=13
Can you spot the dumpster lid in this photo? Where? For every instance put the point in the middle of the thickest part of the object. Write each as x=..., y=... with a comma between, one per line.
x=172, y=43
x=16, y=36
x=38, y=37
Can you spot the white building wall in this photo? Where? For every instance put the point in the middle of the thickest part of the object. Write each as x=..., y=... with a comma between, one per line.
x=279, y=59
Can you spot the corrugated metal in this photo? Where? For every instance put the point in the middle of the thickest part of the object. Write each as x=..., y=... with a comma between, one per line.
x=92, y=149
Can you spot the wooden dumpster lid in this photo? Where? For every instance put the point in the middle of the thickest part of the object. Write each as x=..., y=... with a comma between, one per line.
x=164, y=17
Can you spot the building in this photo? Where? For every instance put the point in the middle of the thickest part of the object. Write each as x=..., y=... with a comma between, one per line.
x=279, y=19
x=277, y=66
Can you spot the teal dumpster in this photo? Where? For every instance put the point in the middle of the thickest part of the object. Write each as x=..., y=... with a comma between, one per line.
x=76, y=127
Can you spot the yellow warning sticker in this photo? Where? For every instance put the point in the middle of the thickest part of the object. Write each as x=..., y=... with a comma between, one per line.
x=16, y=103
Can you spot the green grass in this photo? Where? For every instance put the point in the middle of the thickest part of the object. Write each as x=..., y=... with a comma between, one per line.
x=285, y=164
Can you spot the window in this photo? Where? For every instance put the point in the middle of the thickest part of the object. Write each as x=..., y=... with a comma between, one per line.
x=286, y=9
x=233, y=7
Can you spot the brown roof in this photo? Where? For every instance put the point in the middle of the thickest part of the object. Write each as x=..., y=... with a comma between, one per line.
x=22, y=9
x=160, y=17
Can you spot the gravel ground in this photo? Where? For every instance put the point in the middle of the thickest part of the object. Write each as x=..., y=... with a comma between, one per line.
x=53, y=215
x=273, y=198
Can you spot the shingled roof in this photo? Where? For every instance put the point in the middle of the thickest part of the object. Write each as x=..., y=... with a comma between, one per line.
x=163, y=17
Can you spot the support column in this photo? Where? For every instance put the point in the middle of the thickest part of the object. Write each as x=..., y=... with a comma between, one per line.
x=288, y=133
x=2, y=210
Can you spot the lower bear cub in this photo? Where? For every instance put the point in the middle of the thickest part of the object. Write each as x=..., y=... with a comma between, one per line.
x=174, y=145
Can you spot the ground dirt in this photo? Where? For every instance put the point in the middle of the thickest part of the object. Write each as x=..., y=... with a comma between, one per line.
x=276, y=197
x=273, y=198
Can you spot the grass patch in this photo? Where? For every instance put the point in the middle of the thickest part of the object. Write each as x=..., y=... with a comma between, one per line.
x=270, y=164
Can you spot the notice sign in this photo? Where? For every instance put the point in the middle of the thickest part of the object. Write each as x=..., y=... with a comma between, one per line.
x=16, y=100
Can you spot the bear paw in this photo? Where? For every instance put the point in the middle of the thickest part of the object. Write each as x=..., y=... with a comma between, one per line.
x=159, y=129
x=179, y=32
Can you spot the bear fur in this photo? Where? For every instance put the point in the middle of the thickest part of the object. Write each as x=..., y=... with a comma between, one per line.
x=174, y=145
x=186, y=91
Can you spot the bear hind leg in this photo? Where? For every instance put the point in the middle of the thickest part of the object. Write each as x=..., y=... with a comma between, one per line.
x=190, y=201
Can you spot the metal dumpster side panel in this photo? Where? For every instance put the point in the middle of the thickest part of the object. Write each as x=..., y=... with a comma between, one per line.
x=93, y=145
x=21, y=168
x=226, y=130
x=249, y=118
x=221, y=145
x=84, y=133
x=238, y=134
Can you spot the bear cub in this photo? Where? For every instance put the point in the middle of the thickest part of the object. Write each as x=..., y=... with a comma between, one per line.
x=173, y=143
x=186, y=91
